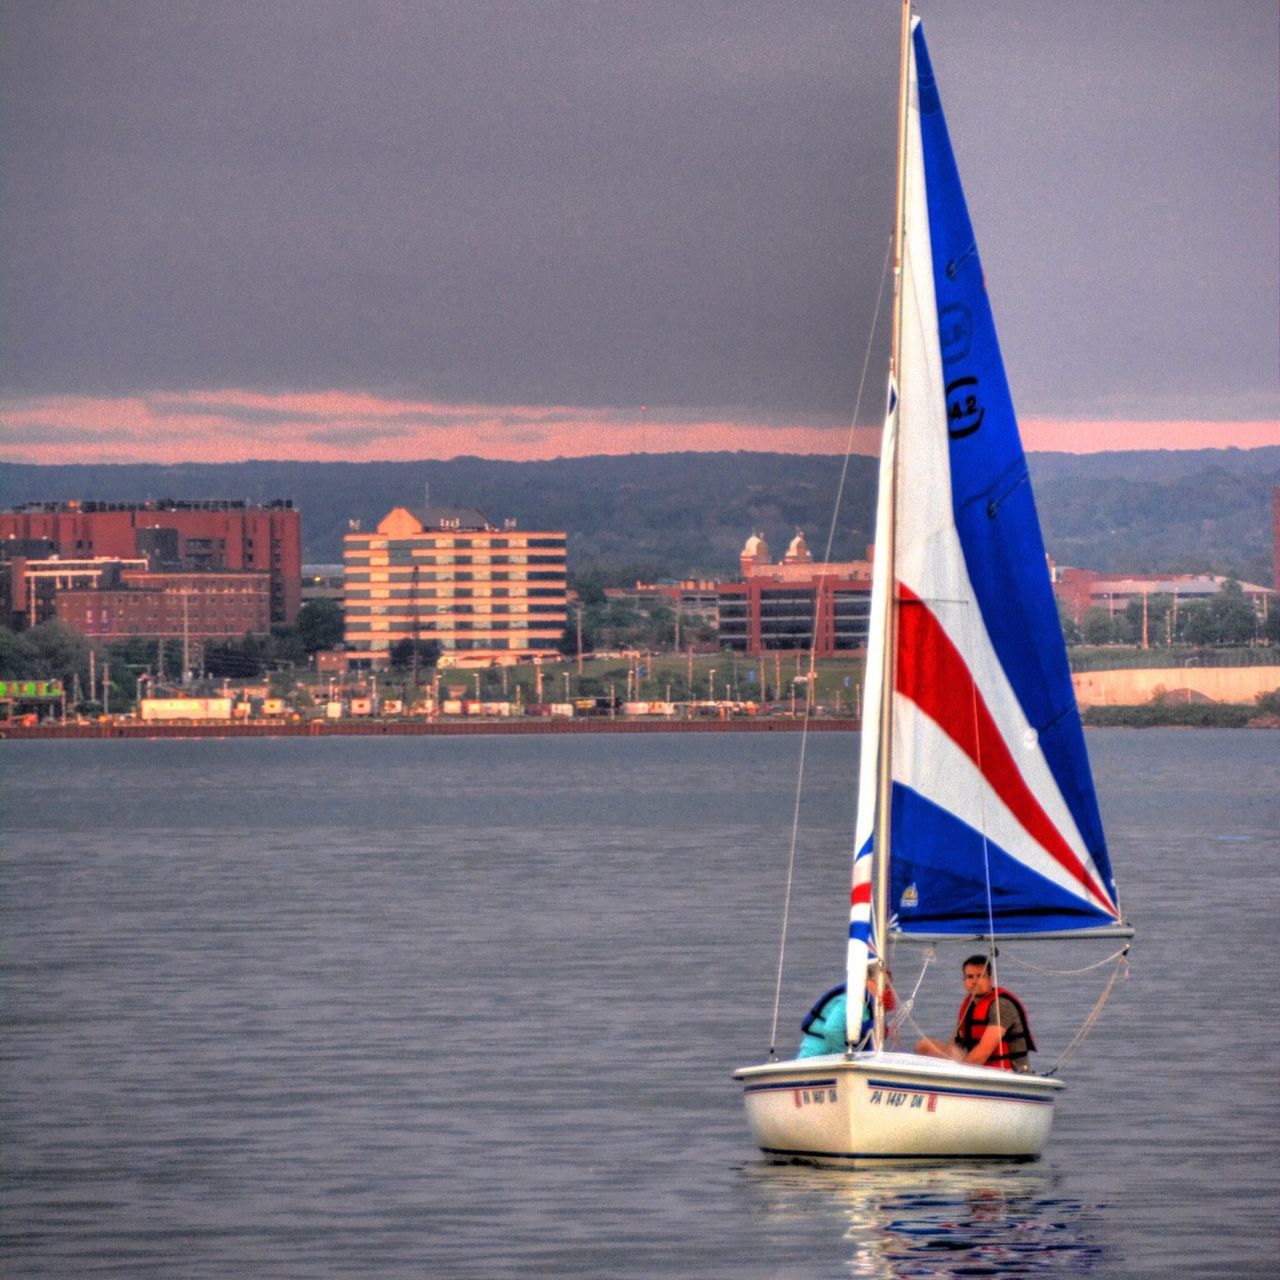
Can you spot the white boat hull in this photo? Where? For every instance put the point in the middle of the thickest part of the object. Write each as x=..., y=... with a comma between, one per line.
x=874, y=1108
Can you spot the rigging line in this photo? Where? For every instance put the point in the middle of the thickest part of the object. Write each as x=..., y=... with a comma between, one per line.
x=1068, y=973
x=906, y=1006
x=1119, y=973
x=857, y=404
x=804, y=731
x=982, y=808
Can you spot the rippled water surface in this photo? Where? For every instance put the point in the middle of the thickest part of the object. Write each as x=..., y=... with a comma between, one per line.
x=468, y=1007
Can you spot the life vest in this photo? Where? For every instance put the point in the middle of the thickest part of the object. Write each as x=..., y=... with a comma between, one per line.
x=971, y=1022
x=816, y=1012
x=819, y=1010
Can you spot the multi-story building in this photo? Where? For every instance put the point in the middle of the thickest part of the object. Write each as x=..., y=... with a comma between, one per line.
x=172, y=537
x=796, y=604
x=447, y=574
x=1081, y=589
x=197, y=607
x=32, y=584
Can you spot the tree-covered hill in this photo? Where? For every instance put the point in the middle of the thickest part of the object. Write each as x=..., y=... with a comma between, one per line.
x=674, y=515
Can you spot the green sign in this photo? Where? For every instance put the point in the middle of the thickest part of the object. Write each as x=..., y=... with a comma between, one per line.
x=15, y=689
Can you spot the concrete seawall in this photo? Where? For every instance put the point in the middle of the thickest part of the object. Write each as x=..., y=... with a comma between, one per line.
x=1135, y=686
x=416, y=728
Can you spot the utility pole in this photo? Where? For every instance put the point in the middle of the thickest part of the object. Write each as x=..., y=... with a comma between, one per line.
x=186, y=638
x=578, y=615
x=106, y=688
x=414, y=605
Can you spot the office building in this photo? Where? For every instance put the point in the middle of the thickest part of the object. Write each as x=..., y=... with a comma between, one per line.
x=483, y=593
x=780, y=607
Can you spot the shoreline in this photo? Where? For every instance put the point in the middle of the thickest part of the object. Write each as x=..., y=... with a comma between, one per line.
x=508, y=728
x=410, y=728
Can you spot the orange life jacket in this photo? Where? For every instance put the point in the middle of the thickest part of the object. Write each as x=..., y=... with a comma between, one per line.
x=972, y=1022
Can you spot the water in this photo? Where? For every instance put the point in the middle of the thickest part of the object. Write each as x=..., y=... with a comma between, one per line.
x=468, y=1007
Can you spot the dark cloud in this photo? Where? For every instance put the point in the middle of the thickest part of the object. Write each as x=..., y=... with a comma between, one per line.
x=675, y=203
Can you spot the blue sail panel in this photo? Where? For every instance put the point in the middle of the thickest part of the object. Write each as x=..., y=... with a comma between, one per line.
x=993, y=506
x=942, y=870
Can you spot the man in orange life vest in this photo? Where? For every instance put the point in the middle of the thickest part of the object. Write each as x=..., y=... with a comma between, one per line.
x=992, y=1028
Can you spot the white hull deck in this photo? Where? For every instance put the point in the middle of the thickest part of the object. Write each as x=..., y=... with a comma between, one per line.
x=876, y=1108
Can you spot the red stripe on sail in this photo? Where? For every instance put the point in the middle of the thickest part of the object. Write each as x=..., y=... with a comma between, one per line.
x=861, y=894
x=933, y=675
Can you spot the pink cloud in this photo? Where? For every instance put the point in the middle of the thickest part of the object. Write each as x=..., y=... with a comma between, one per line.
x=229, y=425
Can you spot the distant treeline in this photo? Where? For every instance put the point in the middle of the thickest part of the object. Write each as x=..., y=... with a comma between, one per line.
x=688, y=514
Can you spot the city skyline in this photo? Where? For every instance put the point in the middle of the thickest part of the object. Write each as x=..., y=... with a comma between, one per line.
x=357, y=231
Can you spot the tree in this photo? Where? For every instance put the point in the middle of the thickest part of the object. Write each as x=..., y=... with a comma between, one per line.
x=320, y=624
x=1097, y=626
x=567, y=645
x=17, y=657
x=1271, y=625
x=1158, y=608
x=1070, y=628
x=242, y=660
x=589, y=584
x=1195, y=623
x=58, y=651
x=1225, y=618
x=1234, y=618
x=401, y=654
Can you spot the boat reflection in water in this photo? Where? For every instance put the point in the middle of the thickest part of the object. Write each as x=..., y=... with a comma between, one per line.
x=927, y=1223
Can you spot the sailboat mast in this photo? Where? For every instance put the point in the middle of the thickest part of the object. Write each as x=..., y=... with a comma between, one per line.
x=886, y=558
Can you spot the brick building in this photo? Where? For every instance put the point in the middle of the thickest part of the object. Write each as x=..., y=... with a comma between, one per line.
x=1081, y=589
x=197, y=606
x=171, y=537
x=780, y=606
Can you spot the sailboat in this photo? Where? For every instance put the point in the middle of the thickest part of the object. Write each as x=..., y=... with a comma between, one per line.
x=977, y=816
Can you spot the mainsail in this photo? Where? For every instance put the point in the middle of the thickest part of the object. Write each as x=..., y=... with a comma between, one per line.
x=994, y=821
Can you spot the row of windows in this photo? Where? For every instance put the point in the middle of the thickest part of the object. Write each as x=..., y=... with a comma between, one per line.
x=462, y=644
x=384, y=573
x=454, y=543
x=419, y=558
x=443, y=634
x=460, y=593
x=354, y=612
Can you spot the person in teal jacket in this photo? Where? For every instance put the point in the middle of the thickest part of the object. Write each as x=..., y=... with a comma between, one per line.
x=824, y=1026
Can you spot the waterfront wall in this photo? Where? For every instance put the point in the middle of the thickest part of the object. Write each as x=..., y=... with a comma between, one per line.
x=1138, y=685
x=414, y=728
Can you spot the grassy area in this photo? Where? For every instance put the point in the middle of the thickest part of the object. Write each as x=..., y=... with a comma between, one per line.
x=1158, y=715
x=1115, y=657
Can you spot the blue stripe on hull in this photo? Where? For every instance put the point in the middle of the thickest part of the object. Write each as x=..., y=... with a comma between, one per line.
x=789, y=1085
x=952, y=1091
x=942, y=1090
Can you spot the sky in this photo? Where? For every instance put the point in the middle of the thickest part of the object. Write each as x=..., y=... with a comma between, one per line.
x=406, y=229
